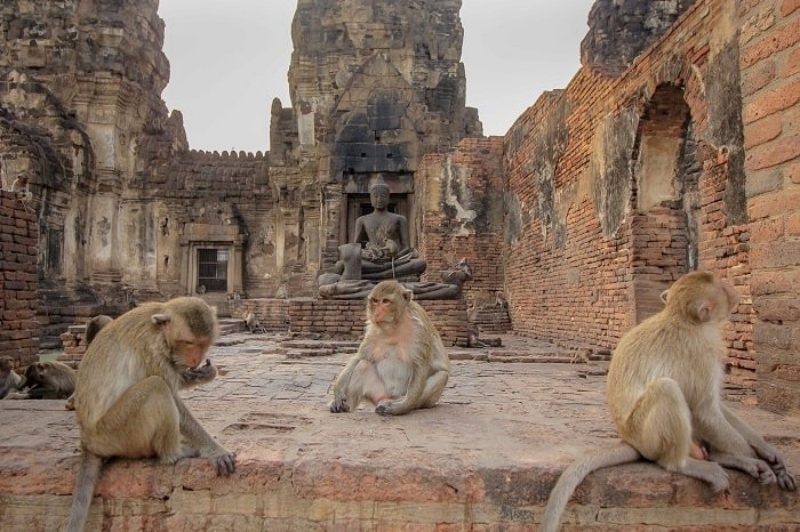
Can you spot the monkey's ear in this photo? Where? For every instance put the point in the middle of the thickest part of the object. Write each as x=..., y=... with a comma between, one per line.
x=407, y=294
x=664, y=295
x=705, y=309
x=161, y=319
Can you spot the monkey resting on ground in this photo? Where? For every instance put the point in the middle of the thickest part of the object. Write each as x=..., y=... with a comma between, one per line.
x=127, y=399
x=46, y=380
x=664, y=395
x=9, y=379
x=401, y=364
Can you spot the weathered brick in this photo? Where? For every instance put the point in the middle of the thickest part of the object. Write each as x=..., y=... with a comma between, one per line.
x=779, y=39
x=770, y=102
x=789, y=6
x=762, y=131
x=774, y=153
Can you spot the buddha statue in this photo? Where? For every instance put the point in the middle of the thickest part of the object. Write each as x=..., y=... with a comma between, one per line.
x=380, y=250
x=386, y=253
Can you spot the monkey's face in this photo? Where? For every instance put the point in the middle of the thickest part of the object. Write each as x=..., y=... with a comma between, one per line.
x=387, y=302
x=382, y=309
x=189, y=351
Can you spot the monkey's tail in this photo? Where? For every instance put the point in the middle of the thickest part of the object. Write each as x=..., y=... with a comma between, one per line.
x=574, y=474
x=84, y=490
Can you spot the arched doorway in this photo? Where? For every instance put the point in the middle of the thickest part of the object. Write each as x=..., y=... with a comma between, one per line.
x=665, y=199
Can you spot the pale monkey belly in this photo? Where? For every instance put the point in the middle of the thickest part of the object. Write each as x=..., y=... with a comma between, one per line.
x=392, y=371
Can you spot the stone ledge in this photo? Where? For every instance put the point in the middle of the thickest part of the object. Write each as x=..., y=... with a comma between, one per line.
x=485, y=458
x=285, y=493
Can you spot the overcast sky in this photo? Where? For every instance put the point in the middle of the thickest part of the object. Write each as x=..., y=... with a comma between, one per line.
x=229, y=59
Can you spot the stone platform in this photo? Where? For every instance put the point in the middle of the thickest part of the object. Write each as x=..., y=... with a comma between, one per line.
x=484, y=459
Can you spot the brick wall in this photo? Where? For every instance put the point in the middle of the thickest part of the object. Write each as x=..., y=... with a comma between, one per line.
x=585, y=253
x=19, y=280
x=344, y=319
x=461, y=194
x=272, y=314
x=770, y=65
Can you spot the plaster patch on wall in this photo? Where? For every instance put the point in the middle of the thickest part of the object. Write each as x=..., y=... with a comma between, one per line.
x=305, y=128
x=725, y=127
x=611, y=168
x=565, y=198
x=513, y=218
x=551, y=143
x=455, y=194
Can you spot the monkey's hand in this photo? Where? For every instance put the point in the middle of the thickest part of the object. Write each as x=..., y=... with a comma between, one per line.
x=199, y=375
x=224, y=462
x=755, y=467
x=774, y=459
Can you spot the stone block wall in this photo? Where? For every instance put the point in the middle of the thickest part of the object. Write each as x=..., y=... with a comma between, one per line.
x=228, y=194
x=272, y=314
x=19, y=280
x=770, y=65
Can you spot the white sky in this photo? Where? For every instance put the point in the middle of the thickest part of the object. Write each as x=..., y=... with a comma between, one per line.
x=229, y=59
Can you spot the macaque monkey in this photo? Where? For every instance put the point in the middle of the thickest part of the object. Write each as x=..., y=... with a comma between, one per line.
x=664, y=385
x=9, y=379
x=94, y=325
x=189, y=378
x=401, y=364
x=46, y=380
x=253, y=325
x=127, y=399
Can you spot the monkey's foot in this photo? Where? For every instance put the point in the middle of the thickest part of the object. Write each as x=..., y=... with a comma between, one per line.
x=386, y=408
x=339, y=406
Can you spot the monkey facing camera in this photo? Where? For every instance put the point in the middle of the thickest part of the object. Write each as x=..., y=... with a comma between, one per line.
x=126, y=396
x=664, y=385
x=401, y=364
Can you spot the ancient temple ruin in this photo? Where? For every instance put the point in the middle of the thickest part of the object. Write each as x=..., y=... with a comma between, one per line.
x=670, y=150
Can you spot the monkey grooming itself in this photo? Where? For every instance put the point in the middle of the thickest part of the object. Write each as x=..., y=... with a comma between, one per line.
x=9, y=379
x=46, y=380
x=127, y=400
x=664, y=385
x=401, y=364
